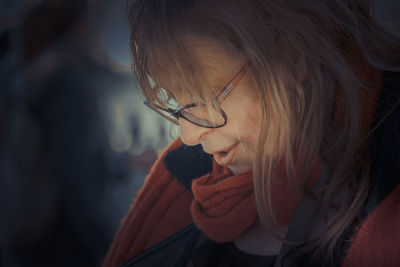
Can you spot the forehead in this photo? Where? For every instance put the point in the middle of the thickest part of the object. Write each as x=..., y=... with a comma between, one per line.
x=216, y=62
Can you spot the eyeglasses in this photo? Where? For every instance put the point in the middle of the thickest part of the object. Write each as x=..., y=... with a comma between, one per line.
x=198, y=114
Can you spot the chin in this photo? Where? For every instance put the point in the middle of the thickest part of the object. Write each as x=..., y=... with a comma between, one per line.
x=239, y=169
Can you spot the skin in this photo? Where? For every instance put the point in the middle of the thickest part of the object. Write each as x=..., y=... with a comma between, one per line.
x=241, y=107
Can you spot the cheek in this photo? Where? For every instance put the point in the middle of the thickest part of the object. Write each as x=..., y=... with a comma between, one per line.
x=245, y=122
x=247, y=132
x=251, y=129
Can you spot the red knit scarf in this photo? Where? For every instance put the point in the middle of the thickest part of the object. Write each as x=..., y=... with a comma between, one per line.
x=224, y=205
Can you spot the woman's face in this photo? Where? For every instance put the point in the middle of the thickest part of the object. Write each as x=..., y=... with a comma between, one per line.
x=232, y=145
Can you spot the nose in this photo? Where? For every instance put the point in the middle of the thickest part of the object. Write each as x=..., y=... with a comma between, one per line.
x=191, y=134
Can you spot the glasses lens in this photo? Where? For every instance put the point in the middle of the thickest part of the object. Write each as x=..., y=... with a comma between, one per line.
x=199, y=114
x=203, y=116
x=167, y=115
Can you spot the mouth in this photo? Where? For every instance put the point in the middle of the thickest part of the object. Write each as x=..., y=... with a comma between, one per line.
x=225, y=157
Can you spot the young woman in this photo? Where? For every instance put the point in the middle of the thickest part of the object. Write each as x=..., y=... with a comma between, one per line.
x=289, y=145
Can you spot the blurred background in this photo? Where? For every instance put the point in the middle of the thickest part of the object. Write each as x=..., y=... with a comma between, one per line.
x=75, y=139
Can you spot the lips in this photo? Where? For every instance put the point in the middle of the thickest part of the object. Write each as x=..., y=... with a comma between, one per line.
x=225, y=156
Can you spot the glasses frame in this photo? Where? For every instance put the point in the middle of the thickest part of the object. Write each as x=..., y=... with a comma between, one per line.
x=177, y=113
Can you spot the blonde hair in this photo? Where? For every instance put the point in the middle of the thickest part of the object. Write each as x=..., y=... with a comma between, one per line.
x=298, y=53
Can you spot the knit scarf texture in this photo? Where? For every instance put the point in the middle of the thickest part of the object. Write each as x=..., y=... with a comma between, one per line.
x=223, y=205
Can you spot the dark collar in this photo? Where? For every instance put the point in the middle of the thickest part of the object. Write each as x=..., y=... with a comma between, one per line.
x=188, y=163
